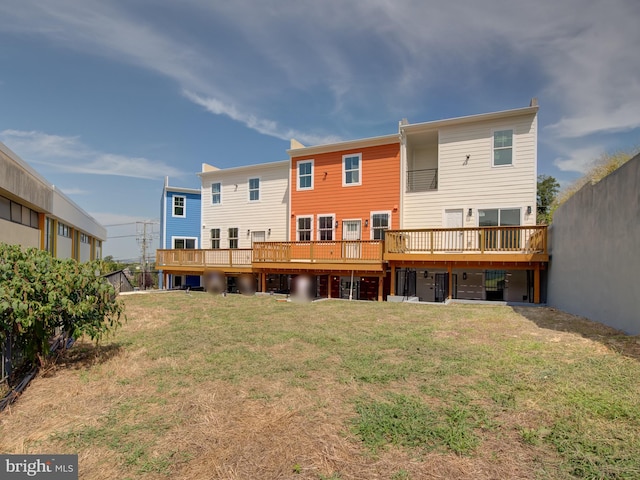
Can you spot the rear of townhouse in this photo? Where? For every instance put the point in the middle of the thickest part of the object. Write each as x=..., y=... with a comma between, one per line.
x=441, y=210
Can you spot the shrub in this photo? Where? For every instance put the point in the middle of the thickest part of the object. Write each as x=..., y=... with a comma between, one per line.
x=41, y=295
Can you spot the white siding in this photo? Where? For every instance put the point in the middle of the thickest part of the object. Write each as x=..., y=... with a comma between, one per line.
x=236, y=211
x=476, y=183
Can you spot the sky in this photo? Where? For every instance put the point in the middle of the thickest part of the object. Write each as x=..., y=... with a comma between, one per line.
x=107, y=97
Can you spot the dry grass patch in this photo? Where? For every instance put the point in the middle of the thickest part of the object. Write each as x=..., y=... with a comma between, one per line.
x=196, y=386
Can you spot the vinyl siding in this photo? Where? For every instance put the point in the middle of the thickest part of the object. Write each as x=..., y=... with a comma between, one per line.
x=188, y=226
x=379, y=189
x=236, y=211
x=477, y=184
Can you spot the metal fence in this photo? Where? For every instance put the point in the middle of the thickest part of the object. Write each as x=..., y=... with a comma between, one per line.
x=422, y=180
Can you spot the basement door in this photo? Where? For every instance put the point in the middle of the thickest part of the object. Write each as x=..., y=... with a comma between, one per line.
x=352, y=233
x=454, y=240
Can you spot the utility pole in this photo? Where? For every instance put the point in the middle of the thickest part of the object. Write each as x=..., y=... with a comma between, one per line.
x=145, y=236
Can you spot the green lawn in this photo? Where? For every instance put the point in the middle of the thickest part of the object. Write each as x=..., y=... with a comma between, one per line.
x=197, y=386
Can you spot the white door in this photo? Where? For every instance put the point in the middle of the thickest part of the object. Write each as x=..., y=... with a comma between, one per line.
x=454, y=240
x=257, y=237
x=351, y=232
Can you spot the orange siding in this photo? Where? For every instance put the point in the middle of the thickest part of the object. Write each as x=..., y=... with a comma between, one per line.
x=379, y=191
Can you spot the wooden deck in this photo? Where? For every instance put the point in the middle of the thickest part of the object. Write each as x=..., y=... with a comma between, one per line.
x=478, y=244
x=339, y=255
x=198, y=261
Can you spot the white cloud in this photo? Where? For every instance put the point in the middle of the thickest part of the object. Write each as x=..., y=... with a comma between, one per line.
x=371, y=58
x=69, y=154
x=580, y=159
x=266, y=127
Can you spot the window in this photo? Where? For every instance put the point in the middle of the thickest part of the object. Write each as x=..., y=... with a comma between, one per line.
x=184, y=243
x=380, y=221
x=233, y=238
x=49, y=231
x=254, y=189
x=179, y=206
x=35, y=220
x=304, y=229
x=84, y=238
x=215, y=238
x=5, y=208
x=502, y=147
x=504, y=239
x=64, y=230
x=325, y=227
x=351, y=174
x=16, y=212
x=98, y=251
x=305, y=175
x=216, y=193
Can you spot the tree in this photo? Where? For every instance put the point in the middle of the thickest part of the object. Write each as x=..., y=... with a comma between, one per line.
x=41, y=295
x=548, y=188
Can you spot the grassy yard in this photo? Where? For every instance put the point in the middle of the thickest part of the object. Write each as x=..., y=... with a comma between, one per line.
x=196, y=386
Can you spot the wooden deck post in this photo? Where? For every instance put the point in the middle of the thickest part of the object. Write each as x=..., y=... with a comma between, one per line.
x=380, y=289
x=536, y=284
x=393, y=279
x=165, y=279
x=329, y=285
x=450, y=276
x=263, y=282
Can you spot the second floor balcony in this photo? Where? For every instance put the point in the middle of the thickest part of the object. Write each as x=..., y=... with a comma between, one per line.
x=422, y=180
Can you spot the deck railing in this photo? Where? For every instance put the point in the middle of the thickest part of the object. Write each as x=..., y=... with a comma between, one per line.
x=233, y=257
x=522, y=239
x=339, y=251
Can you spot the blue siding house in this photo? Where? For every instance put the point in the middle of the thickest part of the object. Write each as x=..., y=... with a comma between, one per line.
x=180, y=227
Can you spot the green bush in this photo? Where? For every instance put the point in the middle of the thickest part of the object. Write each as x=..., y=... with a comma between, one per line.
x=40, y=294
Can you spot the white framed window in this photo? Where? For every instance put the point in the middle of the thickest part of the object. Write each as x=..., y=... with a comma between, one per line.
x=305, y=175
x=184, y=242
x=502, y=147
x=254, y=189
x=216, y=193
x=506, y=239
x=304, y=228
x=233, y=237
x=352, y=169
x=215, y=238
x=380, y=221
x=326, y=227
x=84, y=238
x=179, y=206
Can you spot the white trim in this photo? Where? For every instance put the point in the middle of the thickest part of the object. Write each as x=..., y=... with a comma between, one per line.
x=219, y=238
x=298, y=231
x=178, y=237
x=249, y=189
x=184, y=206
x=371, y=214
x=229, y=237
x=243, y=167
x=333, y=225
x=351, y=220
x=521, y=208
x=344, y=172
x=513, y=146
x=164, y=218
x=313, y=171
x=211, y=194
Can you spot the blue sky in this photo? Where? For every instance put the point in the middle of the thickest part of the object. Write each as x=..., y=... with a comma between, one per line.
x=105, y=98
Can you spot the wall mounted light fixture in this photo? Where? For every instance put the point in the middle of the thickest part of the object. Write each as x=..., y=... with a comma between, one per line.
x=336, y=223
x=269, y=232
x=529, y=210
x=426, y=274
x=366, y=223
x=464, y=275
x=248, y=232
x=470, y=212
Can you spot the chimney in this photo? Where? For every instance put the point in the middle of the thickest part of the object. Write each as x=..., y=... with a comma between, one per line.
x=534, y=102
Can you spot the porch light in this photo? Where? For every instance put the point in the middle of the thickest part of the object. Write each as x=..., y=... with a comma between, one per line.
x=366, y=223
x=426, y=274
x=529, y=210
x=470, y=212
x=248, y=232
x=336, y=223
x=464, y=275
x=269, y=232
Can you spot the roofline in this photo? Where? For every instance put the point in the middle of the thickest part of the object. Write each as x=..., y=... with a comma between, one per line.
x=168, y=188
x=82, y=211
x=411, y=127
x=28, y=168
x=243, y=167
x=346, y=145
